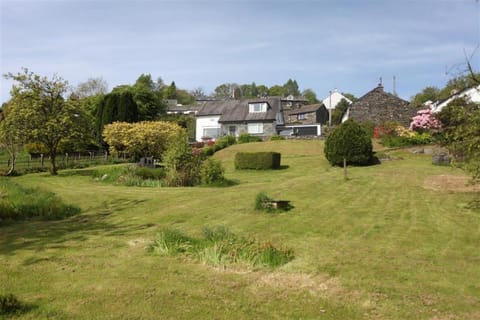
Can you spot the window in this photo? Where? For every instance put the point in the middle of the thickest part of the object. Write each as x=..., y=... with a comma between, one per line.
x=255, y=128
x=211, y=132
x=257, y=107
x=301, y=116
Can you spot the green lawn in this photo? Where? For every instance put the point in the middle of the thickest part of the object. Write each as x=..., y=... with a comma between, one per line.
x=376, y=246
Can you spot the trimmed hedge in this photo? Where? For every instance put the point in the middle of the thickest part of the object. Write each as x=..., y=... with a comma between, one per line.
x=257, y=160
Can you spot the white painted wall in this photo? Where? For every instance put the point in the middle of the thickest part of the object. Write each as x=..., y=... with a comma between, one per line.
x=471, y=95
x=210, y=122
x=335, y=99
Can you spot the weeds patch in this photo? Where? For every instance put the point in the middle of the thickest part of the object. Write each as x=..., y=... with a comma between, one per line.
x=18, y=203
x=220, y=247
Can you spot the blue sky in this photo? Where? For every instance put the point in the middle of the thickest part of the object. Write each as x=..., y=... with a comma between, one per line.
x=347, y=45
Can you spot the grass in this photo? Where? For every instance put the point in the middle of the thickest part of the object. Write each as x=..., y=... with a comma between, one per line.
x=377, y=246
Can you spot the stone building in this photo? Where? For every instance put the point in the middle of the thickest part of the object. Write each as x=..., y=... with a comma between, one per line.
x=378, y=107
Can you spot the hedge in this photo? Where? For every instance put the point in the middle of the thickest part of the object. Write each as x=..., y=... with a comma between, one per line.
x=257, y=160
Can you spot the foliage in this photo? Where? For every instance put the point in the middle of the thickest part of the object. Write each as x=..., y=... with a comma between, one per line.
x=141, y=139
x=41, y=113
x=257, y=160
x=351, y=142
x=18, y=203
x=10, y=140
x=424, y=121
x=339, y=111
x=247, y=137
x=9, y=304
x=212, y=171
x=310, y=96
x=131, y=176
x=117, y=106
x=461, y=131
x=182, y=166
x=260, y=200
x=220, y=247
x=225, y=141
x=92, y=87
x=291, y=88
x=183, y=120
x=427, y=94
x=277, y=138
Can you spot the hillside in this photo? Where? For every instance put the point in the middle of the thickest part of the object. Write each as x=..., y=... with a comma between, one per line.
x=381, y=245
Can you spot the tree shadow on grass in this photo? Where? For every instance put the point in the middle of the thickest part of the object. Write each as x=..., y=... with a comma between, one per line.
x=71, y=232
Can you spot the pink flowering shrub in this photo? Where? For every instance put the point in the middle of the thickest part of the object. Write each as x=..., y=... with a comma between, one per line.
x=424, y=121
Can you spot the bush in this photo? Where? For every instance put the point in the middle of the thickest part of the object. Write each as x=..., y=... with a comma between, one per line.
x=257, y=160
x=225, y=141
x=246, y=138
x=350, y=141
x=182, y=167
x=276, y=138
x=212, y=171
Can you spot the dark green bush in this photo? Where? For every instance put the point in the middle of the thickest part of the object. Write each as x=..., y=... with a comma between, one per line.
x=350, y=141
x=257, y=160
x=211, y=171
x=246, y=138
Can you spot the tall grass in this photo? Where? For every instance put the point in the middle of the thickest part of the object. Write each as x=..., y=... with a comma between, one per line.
x=18, y=203
x=131, y=176
x=220, y=247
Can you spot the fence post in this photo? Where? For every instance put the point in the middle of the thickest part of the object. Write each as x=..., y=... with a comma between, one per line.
x=106, y=156
x=41, y=159
x=66, y=159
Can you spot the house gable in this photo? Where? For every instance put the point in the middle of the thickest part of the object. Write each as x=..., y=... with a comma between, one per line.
x=378, y=107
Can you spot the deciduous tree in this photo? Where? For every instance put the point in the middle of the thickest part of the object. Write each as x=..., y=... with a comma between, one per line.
x=41, y=113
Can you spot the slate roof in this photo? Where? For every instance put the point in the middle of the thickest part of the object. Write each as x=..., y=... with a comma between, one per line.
x=378, y=106
x=237, y=110
x=306, y=109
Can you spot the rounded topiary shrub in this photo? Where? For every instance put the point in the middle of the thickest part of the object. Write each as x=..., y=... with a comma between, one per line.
x=350, y=141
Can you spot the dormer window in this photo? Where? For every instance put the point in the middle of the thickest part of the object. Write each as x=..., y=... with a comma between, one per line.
x=257, y=107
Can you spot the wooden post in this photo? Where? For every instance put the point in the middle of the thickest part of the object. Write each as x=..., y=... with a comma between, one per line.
x=345, y=168
x=66, y=159
x=41, y=159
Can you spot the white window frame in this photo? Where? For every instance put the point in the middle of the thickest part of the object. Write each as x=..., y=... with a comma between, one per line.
x=217, y=132
x=255, y=128
x=257, y=107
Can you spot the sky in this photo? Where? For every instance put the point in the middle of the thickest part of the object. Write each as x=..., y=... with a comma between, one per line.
x=322, y=44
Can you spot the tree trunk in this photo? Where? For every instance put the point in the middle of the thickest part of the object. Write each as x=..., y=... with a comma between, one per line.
x=53, y=168
x=13, y=160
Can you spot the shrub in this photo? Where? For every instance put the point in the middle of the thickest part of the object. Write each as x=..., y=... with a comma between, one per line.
x=150, y=173
x=182, y=167
x=350, y=141
x=257, y=160
x=212, y=171
x=225, y=141
x=246, y=138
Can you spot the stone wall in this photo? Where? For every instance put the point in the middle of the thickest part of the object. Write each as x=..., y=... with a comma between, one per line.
x=379, y=107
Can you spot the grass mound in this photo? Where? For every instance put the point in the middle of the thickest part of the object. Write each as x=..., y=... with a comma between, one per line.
x=220, y=247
